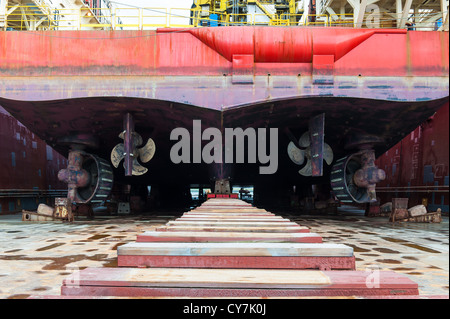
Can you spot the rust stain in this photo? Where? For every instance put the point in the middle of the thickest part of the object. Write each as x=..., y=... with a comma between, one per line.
x=394, y=240
x=428, y=250
x=95, y=237
x=435, y=240
x=57, y=263
x=117, y=245
x=112, y=262
x=410, y=258
x=403, y=268
x=60, y=263
x=386, y=251
x=49, y=247
x=357, y=249
x=13, y=251
x=434, y=267
x=23, y=296
x=389, y=261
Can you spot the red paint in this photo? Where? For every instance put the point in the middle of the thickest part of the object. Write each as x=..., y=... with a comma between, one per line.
x=215, y=239
x=426, y=60
x=210, y=51
x=245, y=262
x=353, y=296
x=27, y=166
x=236, y=229
x=323, y=64
x=113, y=282
x=235, y=196
x=236, y=219
x=228, y=293
x=228, y=211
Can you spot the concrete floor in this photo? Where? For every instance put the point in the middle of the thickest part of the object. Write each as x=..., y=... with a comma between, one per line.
x=35, y=257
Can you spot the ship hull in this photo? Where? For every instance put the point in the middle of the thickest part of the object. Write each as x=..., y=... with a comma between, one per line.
x=367, y=82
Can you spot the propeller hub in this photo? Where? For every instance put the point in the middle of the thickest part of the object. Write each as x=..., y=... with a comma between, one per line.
x=78, y=178
x=354, y=178
x=74, y=175
x=368, y=176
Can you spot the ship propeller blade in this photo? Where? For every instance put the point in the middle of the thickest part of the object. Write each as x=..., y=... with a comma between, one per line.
x=137, y=139
x=298, y=156
x=304, y=140
x=138, y=169
x=327, y=154
x=306, y=170
x=146, y=153
x=295, y=154
x=117, y=154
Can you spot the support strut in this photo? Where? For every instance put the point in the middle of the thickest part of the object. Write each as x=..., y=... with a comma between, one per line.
x=128, y=142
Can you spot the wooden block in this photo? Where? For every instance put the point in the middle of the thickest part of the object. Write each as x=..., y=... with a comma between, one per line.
x=231, y=219
x=230, y=223
x=274, y=229
x=192, y=215
x=225, y=201
x=227, y=212
x=231, y=210
x=154, y=236
x=234, y=249
x=236, y=262
x=177, y=282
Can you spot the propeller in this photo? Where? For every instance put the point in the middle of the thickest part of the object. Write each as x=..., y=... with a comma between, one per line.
x=298, y=155
x=145, y=153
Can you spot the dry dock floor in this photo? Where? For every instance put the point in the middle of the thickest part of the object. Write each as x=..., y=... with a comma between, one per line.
x=35, y=257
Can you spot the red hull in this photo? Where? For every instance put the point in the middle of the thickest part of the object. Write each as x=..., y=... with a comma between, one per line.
x=418, y=166
x=28, y=168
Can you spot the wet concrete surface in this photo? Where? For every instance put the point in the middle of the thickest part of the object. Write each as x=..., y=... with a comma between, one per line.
x=418, y=250
x=35, y=257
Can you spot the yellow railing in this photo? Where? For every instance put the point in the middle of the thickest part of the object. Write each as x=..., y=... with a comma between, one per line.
x=279, y=22
x=341, y=20
x=44, y=18
x=317, y=20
